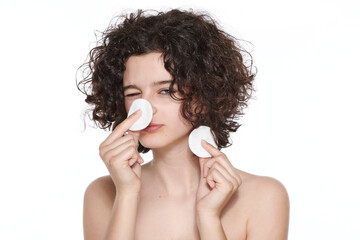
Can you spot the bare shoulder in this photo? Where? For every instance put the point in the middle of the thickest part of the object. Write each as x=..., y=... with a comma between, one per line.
x=102, y=184
x=98, y=201
x=267, y=203
x=262, y=186
x=101, y=190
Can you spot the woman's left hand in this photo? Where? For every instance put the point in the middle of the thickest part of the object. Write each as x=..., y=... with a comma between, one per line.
x=218, y=182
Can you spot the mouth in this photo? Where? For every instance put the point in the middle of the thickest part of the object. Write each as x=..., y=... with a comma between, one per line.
x=153, y=127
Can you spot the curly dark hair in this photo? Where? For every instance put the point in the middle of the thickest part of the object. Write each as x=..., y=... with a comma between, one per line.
x=207, y=64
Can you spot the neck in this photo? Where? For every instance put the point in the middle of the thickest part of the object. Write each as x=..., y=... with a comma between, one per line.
x=176, y=171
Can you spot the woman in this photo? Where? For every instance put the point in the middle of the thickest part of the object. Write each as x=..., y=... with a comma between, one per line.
x=193, y=74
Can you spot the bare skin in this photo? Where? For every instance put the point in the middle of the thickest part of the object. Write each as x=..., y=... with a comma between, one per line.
x=177, y=195
x=164, y=217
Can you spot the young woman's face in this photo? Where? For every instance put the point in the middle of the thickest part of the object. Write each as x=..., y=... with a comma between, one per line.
x=146, y=77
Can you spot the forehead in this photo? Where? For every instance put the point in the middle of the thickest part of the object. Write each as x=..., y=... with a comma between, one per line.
x=145, y=69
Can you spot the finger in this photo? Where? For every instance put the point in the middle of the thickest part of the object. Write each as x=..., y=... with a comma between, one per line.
x=136, y=167
x=213, y=151
x=222, y=159
x=202, y=162
x=217, y=179
x=115, y=150
x=135, y=134
x=140, y=160
x=122, y=127
x=214, y=178
x=133, y=161
x=208, y=162
x=116, y=143
x=122, y=159
x=230, y=178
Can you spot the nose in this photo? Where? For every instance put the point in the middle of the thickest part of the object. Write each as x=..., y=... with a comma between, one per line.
x=153, y=104
x=153, y=108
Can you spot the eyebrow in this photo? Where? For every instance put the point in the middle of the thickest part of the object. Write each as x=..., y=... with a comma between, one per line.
x=154, y=84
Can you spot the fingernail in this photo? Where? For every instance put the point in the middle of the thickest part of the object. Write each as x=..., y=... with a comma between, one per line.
x=135, y=113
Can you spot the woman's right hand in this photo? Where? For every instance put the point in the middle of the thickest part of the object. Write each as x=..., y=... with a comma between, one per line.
x=121, y=157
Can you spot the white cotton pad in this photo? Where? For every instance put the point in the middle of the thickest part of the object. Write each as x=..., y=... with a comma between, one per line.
x=195, y=137
x=146, y=115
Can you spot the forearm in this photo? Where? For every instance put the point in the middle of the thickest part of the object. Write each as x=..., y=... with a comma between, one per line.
x=123, y=218
x=210, y=228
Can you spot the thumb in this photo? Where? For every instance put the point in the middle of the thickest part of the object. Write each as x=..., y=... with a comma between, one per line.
x=202, y=162
x=135, y=134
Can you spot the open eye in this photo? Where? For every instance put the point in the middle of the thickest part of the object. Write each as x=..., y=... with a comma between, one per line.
x=165, y=91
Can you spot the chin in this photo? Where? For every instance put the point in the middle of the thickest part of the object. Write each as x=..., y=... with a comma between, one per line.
x=151, y=143
x=157, y=143
x=154, y=145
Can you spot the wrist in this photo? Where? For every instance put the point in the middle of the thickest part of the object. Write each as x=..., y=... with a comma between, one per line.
x=125, y=196
x=207, y=220
x=207, y=214
x=210, y=228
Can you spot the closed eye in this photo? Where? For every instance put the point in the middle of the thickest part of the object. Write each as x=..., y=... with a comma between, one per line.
x=162, y=92
x=132, y=94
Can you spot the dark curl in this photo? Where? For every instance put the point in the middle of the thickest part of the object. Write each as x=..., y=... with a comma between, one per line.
x=206, y=63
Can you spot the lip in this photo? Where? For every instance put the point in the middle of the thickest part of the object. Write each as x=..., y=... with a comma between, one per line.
x=153, y=127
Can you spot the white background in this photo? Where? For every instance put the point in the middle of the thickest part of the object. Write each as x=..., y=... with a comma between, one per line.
x=302, y=128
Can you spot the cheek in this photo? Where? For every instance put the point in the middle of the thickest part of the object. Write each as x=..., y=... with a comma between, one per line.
x=185, y=123
x=127, y=105
x=180, y=119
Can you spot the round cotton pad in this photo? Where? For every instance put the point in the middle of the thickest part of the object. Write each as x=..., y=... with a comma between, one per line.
x=195, y=137
x=146, y=115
